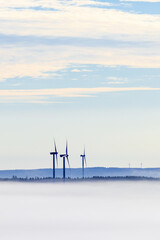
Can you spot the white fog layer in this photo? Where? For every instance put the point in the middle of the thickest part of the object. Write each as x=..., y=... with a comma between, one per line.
x=107, y=210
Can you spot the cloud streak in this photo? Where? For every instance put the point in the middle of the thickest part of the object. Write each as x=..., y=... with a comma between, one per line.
x=150, y=1
x=77, y=19
x=42, y=94
x=37, y=42
x=30, y=62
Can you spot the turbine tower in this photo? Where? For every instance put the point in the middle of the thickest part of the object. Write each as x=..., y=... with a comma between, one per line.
x=84, y=162
x=55, y=155
x=65, y=156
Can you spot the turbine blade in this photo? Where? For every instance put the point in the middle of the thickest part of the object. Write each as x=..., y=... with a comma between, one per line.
x=85, y=161
x=55, y=146
x=68, y=161
x=66, y=148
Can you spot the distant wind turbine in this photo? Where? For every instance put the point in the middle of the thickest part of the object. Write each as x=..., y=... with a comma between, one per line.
x=65, y=156
x=84, y=162
x=55, y=155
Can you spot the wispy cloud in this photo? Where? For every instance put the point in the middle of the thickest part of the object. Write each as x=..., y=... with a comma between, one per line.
x=37, y=42
x=151, y=1
x=76, y=20
x=116, y=80
x=43, y=63
x=76, y=70
x=39, y=94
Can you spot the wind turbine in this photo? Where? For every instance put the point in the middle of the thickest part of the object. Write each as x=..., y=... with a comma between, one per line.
x=84, y=162
x=65, y=156
x=55, y=155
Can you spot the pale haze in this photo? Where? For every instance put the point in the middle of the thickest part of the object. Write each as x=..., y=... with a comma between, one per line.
x=108, y=210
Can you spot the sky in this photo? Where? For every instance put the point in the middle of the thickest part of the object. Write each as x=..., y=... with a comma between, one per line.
x=87, y=71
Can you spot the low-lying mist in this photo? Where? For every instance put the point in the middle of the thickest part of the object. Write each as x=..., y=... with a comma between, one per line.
x=102, y=210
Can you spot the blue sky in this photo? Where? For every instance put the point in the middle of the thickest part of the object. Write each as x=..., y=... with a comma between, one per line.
x=86, y=70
